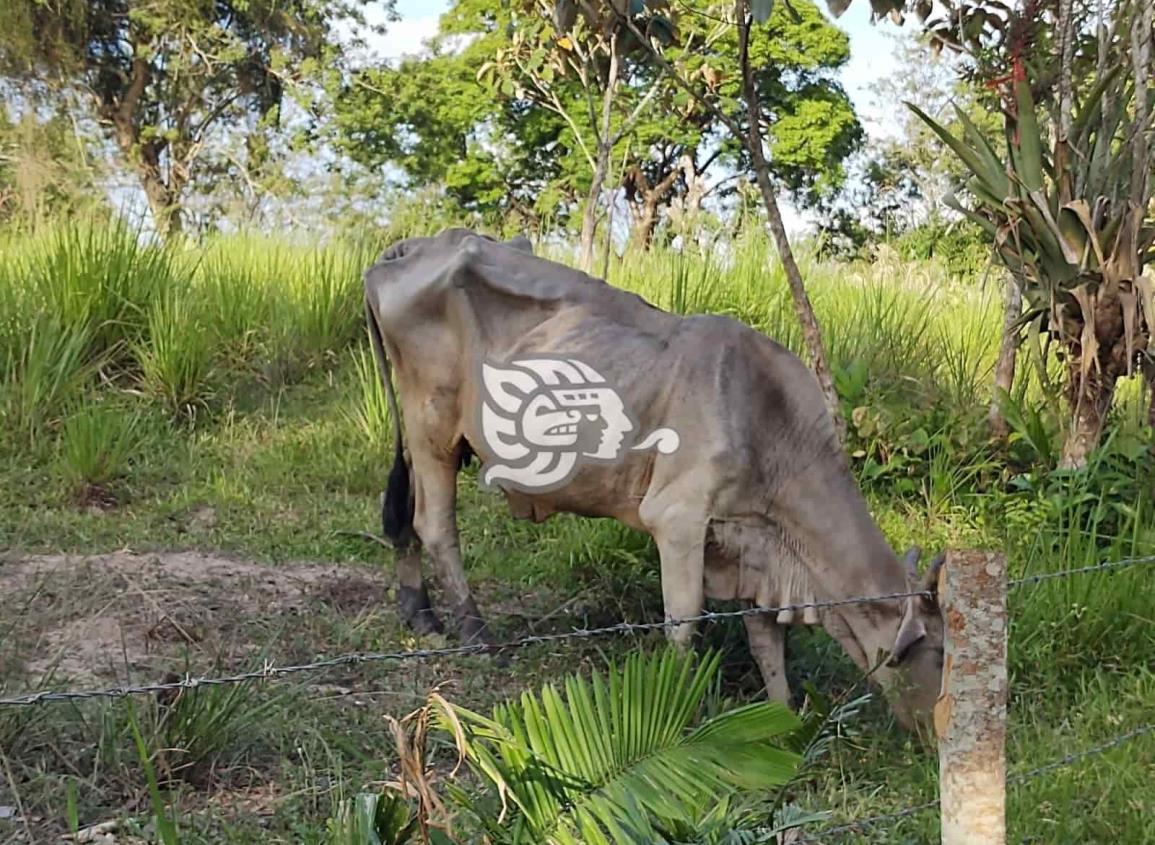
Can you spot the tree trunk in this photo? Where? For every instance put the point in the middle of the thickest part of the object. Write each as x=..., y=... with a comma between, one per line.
x=1091, y=405
x=644, y=233
x=165, y=208
x=590, y=212
x=811, y=332
x=1005, y=367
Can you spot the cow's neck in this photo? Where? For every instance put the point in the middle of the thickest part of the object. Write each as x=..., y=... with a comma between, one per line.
x=848, y=558
x=867, y=630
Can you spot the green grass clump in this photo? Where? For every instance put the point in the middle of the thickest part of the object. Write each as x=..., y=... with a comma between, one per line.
x=98, y=441
x=176, y=359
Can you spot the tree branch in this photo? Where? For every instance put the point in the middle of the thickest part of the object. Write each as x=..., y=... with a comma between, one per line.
x=628, y=123
x=668, y=68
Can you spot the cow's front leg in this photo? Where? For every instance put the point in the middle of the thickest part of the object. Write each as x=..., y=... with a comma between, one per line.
x=681, y=541
x=768, y=645
x=435, y=520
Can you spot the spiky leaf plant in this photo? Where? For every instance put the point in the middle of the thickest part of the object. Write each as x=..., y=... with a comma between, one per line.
x=1066, y=203
x=621, y=757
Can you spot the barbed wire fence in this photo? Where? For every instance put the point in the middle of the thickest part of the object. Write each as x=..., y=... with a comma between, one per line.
x=269, y=671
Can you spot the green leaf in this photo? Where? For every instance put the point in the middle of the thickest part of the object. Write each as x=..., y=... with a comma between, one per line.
x=615, y=759
x=969, y=156
x=1030, y=144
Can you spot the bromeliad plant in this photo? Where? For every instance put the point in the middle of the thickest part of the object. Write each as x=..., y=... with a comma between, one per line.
x=1067, y=201
x=623, y=757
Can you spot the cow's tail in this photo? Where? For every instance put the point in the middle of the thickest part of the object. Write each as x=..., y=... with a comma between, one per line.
x=397, y=503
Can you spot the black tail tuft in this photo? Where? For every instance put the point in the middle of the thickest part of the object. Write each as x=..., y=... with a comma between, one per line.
x=397, y=509
x=465, y=456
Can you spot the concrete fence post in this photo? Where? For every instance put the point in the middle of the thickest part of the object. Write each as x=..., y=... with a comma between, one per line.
x=970, y=717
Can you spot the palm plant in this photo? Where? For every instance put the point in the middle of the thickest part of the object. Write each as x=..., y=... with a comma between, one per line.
x=1067, y=201
x=624, y=756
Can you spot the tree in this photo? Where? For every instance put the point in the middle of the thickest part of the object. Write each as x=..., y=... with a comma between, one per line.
x=539, y=64
x=494, y=157
x=164, y=77
x=1066, y=193
x=526, y=146
x=811, y=126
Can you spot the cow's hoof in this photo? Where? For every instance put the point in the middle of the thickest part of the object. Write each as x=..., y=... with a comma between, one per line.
x=416, y=611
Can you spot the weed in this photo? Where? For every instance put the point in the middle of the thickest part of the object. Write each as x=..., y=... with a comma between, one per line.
x=177, y=356
x=369, y=411
x=97, y=443
x=196, y=727
x=44, y=370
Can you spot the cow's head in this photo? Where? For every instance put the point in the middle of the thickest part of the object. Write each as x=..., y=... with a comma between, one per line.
x=914, y=668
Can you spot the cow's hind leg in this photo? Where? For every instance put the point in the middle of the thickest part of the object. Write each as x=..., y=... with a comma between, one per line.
x=435, y=521
x=768, y=646
x=397, y=504
x=412, y=594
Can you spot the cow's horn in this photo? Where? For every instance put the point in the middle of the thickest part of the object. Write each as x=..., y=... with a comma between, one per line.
x=930, y=579
x=910, y=562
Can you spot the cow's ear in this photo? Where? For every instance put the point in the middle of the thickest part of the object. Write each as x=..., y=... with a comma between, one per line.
x=522, y=243
x=510, y=272
x=910, y=631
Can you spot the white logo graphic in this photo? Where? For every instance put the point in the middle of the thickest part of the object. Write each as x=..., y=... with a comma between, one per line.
x=543, y=417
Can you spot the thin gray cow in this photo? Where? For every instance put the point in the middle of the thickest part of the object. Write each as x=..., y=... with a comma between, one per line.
x=583, y=398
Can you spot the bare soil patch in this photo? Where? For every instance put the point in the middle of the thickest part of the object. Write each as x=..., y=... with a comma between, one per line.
x=124, y=617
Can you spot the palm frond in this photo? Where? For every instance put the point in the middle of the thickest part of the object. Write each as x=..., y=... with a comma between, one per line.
x=619, y=756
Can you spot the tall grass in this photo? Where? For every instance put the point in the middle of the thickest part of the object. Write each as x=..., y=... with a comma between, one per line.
x=82, y=297
x=42, y=371
x=176, y=357
x=369, y=410
x=97, y=443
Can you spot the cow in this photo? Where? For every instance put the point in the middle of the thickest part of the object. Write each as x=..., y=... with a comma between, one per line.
x=580, y=397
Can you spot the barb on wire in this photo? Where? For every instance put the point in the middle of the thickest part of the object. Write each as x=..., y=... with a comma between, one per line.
x=1106, y=566
x=858, y=825
x=270, y=671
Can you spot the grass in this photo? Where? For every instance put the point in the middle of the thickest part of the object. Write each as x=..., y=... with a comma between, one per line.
x=288, y=448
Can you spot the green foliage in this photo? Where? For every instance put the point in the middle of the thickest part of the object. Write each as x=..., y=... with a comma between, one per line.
x=166, y=823
x=45, y=367
x=176, y=359
x=1072, y=224
x=619, y=758
x=44, y=172
x=373, y=819
x=163, y=78
x=196, y=728
x=98, y=441
x=370, y=412
x=519, y=147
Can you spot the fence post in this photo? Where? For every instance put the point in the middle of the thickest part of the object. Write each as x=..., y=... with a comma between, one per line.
x=970, y=717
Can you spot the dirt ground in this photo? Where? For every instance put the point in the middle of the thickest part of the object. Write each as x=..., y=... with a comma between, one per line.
x=124, y=617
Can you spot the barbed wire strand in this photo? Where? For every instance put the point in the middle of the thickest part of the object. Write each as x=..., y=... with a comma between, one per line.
x=270, y=671
x=857, y=825
x=1082, y=570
